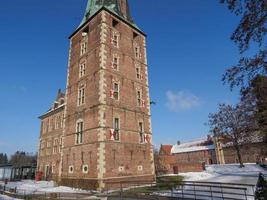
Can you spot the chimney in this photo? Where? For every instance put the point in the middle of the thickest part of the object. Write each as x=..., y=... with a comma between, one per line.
x=178, y=142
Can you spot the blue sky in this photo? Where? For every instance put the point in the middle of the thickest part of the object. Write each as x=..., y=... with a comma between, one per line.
x=188, y=51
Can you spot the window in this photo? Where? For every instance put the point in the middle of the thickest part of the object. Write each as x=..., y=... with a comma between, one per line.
x=115, y=62
x=140, y=101
x=81, y=96
x=135, y=35
x=48, y=144
x=139, y=98
x=137, y=53
x=141, y=132
x=84, y=45
x=114, y=92
x=82, y=70
x=121, y=168
x=71, y=169
x=114, y=22
x=138, y=72
x=79, y=132
x=115, y=132
x=55, y=146
x=115, y=39
x=85, y=169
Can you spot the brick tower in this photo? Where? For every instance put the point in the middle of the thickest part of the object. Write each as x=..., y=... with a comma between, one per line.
x=106, y=134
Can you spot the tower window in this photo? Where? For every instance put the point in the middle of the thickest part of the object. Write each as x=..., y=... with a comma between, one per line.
x=55, y=147
x=82, y=70
x=135, y=35
x=79, y=132
x=115, y=39
x=81, y=96
x=139, y=98
x=84, y=45
x=116, y=127
x=137, y=53
x=141, y=132
x=114, y=93
x=115, y=62
x=114, y=23
x=138, y=72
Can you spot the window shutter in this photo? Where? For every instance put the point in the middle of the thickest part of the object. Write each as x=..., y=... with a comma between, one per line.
x=111, y=93
x=112, y=134
x=147, y=138
x=143, y=103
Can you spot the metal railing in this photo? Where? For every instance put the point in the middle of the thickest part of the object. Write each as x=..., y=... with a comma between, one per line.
x=147, y=190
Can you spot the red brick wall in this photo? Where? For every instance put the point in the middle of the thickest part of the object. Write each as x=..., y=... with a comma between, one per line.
x=251, y=153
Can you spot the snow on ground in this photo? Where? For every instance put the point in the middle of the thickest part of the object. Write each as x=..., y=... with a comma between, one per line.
x=221, y=174
x=4, y=197
x=33, y=187
x=230, y=173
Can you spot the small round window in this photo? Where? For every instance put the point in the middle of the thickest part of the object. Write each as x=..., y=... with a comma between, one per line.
x=71, y=169
x=85, y=168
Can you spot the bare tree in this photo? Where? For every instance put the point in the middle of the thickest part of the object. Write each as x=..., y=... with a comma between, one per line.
x=235, y=123
x=252, y=29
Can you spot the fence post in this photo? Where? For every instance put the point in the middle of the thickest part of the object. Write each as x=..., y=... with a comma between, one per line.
x=121, y=190
x=183, y=191
x=245, y=191
x=195, y=190
x=222, y=191
x=211, y=193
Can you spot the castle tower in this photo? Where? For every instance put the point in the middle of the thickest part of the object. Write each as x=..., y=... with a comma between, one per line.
x=107, y=134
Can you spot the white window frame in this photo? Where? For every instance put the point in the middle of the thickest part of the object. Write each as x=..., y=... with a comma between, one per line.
x=81, y=95
x=138, y=72
x=115, y=90
x=71, y=171
x=139, y=97
x=137, y=51
x=140, y=167
x=83, y=46
x=121, y=169
x=85, y=172
x=79, y=132
x=116, y=128
x=82, y=69
x=115, y=62
x=115, y=39
x=141, y=133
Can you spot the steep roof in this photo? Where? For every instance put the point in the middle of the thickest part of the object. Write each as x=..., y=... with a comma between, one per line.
x=165, y=149
x=118, y=7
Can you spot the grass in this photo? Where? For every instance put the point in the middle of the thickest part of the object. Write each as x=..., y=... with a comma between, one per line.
x=163, y=183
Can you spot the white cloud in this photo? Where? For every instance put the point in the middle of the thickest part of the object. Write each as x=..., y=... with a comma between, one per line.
x=181, y=100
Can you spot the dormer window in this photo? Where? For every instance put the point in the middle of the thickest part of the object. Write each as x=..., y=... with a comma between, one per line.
x=115, y=39
x=55, y=105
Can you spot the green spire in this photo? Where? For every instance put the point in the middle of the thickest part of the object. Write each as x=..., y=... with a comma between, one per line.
x=118, y=7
